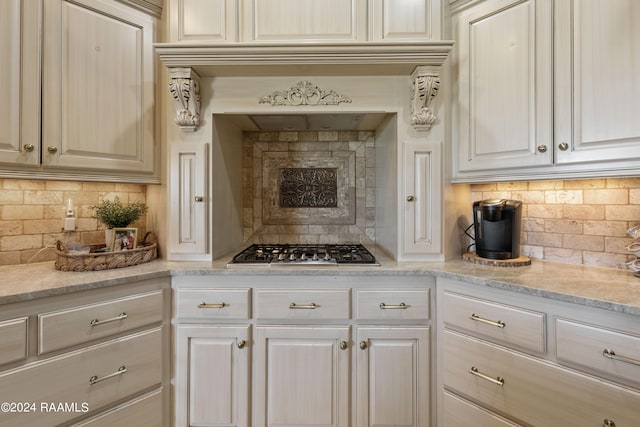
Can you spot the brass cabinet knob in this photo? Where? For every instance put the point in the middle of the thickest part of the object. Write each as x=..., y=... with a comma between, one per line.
x=563, y=146
x=52, y=149
x=242, y=343
x=363, y=345
x=542, y=148
x=608, y=423
x=410, y=198
x=199, y=199
x=343, y=345
x=28, y=148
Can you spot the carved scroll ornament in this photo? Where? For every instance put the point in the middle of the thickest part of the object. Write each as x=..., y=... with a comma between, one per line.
x=424, y=88
x=184, y=86
x=304, y=93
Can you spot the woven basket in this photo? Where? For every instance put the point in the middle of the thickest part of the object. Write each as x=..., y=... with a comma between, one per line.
x=95, y=261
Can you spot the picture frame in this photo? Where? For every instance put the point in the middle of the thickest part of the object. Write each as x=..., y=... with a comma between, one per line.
x=124, y=239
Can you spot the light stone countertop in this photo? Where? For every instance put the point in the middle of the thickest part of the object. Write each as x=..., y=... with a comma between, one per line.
x=609, y=289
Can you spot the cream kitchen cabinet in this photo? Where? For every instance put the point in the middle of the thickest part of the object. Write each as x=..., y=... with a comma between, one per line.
x=546, y=90
x=212, y=357
x=519, y=359
x=326, y=353
x=101, y=355
x=82, y=94
x=20, y=82
x=301, y=375
x=423, y=207
x=188, y=202
x=233, y=21
x=213, y=375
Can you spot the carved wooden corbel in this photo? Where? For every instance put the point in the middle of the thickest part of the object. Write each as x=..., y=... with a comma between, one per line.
x=424, y=87
x=184, y=86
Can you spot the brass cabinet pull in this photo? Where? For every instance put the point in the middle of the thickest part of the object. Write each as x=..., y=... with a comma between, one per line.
x=401, y=306
x=497, y=381
x=294, y=306
x=28, y=148
x=343, y=345
x=216, y=305
x=496, y=323
x=52, y=149
x=612, y=355
x=363, y=345
x=96, y=322
x=608, y=423
x=95, y=379
x=563, y=146
x=242, y=343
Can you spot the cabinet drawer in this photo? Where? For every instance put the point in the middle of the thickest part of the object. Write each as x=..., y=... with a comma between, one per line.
x=13, y=336
x=145, y=411
x=533, y=392
x=459, y=412
x=505, y=324
x=391, y=305
x=64, y=328
x=212, y=303
x=69, y=377
x=303, y=304
x=584, y=345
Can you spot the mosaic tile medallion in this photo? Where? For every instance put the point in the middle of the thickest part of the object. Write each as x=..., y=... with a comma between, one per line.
x=308, y=188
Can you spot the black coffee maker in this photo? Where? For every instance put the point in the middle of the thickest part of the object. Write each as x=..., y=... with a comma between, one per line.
x=497, y=228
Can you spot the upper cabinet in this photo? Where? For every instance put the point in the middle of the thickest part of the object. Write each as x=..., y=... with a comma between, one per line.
x=20, y=82
x=232, y=21
x=546, y=89
x=85, y=98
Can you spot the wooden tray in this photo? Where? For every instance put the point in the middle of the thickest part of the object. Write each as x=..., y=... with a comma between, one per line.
x=96, y=260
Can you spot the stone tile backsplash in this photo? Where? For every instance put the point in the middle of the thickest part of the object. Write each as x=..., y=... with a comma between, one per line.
x=351, y=154
x=577, y=222
x=31, y=215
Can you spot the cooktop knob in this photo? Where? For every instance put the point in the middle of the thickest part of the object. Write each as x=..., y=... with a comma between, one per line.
x=303, y=257
x=315, y=257
x=292, y=257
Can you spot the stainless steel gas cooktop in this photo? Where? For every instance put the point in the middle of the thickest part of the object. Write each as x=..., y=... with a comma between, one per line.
x=302, y=254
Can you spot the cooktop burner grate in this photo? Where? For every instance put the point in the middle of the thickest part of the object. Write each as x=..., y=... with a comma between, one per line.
x=304, y=254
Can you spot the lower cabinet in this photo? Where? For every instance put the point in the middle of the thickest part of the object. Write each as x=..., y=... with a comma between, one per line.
x=212, y=375
x=95, y=358
x=357, y=353
x=492, y=369
x=392, y=378
x=301, y=376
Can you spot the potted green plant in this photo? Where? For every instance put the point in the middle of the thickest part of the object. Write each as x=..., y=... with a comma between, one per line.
x=115, y=214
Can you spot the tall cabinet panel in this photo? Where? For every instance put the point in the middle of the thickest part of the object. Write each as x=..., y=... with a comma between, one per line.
x=504, y=76
x=98, y=86
x=597, y=84
x=20, y=82
x=422, y=199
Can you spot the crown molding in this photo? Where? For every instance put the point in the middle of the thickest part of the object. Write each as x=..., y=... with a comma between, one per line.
x=283, y=59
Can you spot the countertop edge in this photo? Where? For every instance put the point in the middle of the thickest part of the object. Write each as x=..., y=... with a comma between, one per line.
x=525, y=281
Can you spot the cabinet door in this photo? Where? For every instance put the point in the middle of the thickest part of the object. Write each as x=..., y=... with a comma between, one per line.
x=212, y=376
x=20, y=81
x=597, y=87
x=393, y=377
x=301, y=376
x=504, y=75
x=98, y=87
x=203, y=21
x=422, y=199
x=188, y=200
